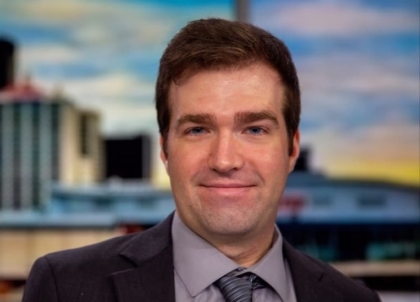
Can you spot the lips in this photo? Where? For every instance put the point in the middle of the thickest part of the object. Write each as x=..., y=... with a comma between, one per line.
x=226, y=185
x=227, y=189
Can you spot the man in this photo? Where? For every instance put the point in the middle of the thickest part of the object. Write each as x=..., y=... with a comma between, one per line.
x=228, y=105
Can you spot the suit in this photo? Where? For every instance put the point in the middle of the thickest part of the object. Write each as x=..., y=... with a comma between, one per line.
x=139, y=268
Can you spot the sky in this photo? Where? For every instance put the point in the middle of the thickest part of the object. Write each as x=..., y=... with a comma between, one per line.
x=358, y=64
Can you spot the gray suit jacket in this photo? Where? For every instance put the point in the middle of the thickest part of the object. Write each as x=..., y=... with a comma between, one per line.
x=139, y=268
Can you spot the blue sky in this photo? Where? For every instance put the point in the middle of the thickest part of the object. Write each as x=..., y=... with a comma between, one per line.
x=358, y=63
x=103, y=54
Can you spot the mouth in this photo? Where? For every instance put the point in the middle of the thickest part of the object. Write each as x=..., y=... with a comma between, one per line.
x=227, y=185
x=227, y=189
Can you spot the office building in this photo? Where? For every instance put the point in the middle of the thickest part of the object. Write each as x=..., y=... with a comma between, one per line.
x=7, y=63
x=128, y=158
x=43, y=140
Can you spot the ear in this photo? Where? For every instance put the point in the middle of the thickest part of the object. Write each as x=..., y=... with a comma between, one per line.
x=162, y=154
x=295, y=152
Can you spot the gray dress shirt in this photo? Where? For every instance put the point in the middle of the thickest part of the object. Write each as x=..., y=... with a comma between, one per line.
x=197, y=264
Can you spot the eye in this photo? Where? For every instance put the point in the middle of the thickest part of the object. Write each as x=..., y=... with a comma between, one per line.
x=255, y=130
x=196, y=131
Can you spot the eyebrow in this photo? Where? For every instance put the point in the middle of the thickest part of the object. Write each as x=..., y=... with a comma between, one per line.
x=201, y=118
x=243, y=117
x=246, y=117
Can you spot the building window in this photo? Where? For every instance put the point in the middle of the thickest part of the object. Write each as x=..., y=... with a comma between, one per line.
x=17, y=133
x=84, y=135
x=1, y=155
x=322, y=200
x=371, y=201
x=36, y=111
x=55, y=133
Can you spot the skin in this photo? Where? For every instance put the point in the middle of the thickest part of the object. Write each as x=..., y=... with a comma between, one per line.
x=227, y=157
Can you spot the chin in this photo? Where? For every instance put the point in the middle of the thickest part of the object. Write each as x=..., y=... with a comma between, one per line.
x=230, y=226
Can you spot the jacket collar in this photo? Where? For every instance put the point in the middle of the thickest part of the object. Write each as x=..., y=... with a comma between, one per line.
x=152, y=278
x=307, y=278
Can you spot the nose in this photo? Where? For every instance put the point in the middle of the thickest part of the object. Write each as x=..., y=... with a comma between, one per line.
x=225, y=154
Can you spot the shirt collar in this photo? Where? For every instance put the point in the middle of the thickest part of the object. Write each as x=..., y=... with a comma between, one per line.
x=196, y=261
x=199, y=264
x=271, y=268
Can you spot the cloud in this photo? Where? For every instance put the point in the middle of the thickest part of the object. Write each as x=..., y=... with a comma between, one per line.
x=357, y=89
x=124, y=101
x=106, y=53
x=359, y=73
x=327, y=18
x=109, y=23
x=126, y=119
x=112, y=87
x=383, y=143
x=130, y=32
x=382, y=151
x=31, y=56
x=64, y=12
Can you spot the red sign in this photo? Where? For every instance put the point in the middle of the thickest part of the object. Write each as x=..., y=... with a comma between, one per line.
x=292, y=203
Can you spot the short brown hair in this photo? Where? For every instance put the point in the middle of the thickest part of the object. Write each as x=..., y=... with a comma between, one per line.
x=212, y=44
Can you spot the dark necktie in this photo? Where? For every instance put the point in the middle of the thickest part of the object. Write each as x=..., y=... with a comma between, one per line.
x=239, y=288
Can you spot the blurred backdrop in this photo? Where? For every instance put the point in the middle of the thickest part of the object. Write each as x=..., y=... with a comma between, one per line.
x=79, y=144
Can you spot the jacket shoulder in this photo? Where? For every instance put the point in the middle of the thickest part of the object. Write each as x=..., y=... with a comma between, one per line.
x=60, y=276
x=100, y=255
x=86, y=273
x=350, y=289
x=114, y=254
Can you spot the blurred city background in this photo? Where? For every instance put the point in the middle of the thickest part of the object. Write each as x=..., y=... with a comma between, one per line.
x=79, y=137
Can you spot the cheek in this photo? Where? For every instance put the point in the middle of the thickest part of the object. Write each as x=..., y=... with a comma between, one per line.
x=187, y=152
x=271, y=160
x=184, y=164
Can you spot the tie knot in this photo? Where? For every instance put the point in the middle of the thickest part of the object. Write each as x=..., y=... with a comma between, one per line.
x=238, y=288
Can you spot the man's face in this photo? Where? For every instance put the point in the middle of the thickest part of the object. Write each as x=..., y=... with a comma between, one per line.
x=227, y=153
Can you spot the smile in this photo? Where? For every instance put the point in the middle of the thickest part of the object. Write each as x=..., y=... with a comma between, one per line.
x=227, y=189
x=227, y=185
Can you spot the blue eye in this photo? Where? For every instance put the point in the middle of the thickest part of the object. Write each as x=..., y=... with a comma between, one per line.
x=255, y=130
x=196, y=131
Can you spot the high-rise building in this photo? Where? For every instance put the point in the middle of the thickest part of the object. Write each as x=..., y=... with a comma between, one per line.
x=7, y=69
x=128, y=158
x=44, y=140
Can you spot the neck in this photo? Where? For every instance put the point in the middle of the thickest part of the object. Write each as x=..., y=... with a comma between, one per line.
x=245, y=252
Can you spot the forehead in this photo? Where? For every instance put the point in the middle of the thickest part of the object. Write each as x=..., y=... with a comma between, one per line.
x=254, y=85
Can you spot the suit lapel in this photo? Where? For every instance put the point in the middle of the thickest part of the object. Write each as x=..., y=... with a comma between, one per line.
x=307, y=278
x=152, y=278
